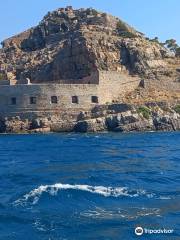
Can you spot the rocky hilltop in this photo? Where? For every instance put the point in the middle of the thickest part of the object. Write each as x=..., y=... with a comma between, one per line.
x=82, y=41
x=69, y=45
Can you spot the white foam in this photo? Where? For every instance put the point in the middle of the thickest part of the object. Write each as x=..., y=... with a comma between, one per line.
x=129, y=213
x=165, y=197
x=35, y=194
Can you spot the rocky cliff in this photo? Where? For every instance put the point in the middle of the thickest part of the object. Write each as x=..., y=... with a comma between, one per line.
x=116, y=117
x=69, y=45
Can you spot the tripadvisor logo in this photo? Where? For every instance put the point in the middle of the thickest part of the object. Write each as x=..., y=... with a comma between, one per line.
x=140, y=231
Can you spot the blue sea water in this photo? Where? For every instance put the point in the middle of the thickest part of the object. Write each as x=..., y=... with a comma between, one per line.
x=89, y=186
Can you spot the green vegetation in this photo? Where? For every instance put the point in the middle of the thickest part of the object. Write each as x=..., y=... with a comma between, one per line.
x=178, y=52
x=121, y=26
x=144, y=111
x=94, y=12
x=127, y=35
x=156, y=40
x=104, y=14
x=171, y=45
x=91, y=11
x=123, y=30
x=2, y=76
x=177, y=108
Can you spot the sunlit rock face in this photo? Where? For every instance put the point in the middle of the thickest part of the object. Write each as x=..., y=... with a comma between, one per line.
x=69, y=45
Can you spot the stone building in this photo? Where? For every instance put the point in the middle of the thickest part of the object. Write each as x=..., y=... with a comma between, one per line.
x=29, y=100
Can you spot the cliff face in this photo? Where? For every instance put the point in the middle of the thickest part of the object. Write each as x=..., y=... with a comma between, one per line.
x=72, y=44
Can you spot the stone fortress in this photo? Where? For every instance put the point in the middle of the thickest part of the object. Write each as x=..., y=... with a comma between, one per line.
x=24, y=94
x=75, y=61
x=26, y=99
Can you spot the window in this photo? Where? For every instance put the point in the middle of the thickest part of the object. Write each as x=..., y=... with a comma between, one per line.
x=94, y=99
x=54, y=99
x=75, y=99
x=13, y=101
x=32, y=100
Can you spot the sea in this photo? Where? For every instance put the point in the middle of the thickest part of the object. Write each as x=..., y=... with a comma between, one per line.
x=101, y=186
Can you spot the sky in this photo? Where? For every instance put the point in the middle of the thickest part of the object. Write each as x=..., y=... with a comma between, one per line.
x=159, y=18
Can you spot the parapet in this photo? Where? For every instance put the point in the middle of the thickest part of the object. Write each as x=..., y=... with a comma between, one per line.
x=26, y=81
x=7, y=82
x=11, y=82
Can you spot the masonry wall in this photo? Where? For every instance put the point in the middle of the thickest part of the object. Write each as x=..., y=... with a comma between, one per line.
x=113, y=85
x=43, y=93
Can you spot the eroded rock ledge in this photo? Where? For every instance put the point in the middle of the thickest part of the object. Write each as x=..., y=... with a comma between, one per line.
x=114, y=117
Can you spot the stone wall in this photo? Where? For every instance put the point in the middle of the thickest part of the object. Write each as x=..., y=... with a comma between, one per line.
x=43, y=93
x=111, y=86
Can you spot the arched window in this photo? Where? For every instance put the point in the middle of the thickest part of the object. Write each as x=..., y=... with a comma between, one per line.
x=75, y=99
x=94, y=99
x=54, y=99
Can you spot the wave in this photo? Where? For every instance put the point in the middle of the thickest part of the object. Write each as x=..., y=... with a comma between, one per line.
x=35, y=194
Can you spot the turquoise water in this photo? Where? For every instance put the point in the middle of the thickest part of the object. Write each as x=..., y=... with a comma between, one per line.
x=89, y=186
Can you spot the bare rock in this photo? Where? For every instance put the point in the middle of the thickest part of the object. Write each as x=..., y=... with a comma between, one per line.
x=64, y=126
x=16, y=125
x=139, y=126
x=91, y=125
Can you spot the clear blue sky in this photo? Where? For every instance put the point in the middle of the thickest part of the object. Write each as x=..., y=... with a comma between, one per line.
x=153, y=17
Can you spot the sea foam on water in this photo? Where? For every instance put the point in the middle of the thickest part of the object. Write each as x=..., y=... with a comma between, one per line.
x=34, y=195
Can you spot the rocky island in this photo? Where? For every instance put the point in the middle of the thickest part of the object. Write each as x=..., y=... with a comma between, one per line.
x=86, y=71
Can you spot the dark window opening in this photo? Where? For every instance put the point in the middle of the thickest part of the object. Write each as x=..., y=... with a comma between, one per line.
x=32, y=100
x=94, y=99
x=54, y=99
x=75, y=99
x=13, y=101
